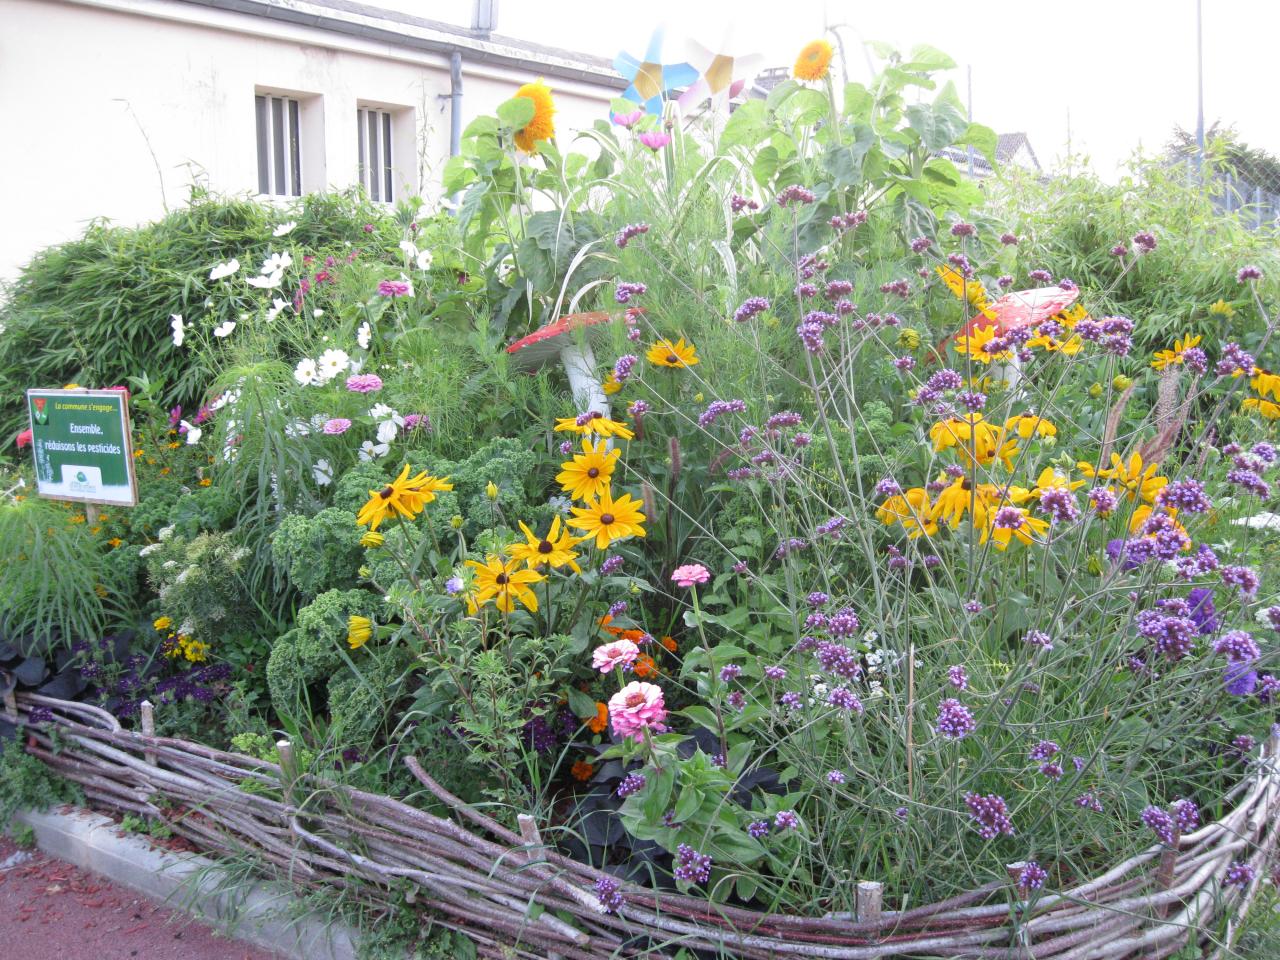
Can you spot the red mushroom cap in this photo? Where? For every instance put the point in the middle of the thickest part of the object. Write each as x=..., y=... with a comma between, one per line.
x=537, y=348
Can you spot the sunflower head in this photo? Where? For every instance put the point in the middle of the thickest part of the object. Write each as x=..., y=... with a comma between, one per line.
x=542, y=126
x=814, y=61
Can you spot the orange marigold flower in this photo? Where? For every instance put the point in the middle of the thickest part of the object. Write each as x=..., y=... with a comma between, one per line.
x=644, y=666
x=582, y=770
x=600, y=721
x=669, y=643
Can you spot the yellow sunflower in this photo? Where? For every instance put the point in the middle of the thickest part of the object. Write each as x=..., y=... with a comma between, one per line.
x=1137, y=479
x=664, y=353
x=1027, y=424
x=597, y=423
x=1069, y=347
x=971, y=290
x=607, y=519
x=814, y=60
x=405, y=496
x=555, y=550
x=1265, y=383
x=503, y=582
x=972, y=430
x=913, y=510
x=587, y=475
x=1049, y=479
x=1174, y=357
x=359, y=631
x=542, y=126
x=973, y=344
x=611, y=384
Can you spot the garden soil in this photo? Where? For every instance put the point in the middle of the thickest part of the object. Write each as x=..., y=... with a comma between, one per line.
x=50, y=910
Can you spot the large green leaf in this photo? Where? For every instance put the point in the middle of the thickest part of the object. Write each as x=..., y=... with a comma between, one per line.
x=746, y=127
x=516, y=112
x=939, y=124
x=981, y=138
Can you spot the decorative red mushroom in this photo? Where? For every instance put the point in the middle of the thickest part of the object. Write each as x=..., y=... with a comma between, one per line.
x=1022, y=308
x=558, y=340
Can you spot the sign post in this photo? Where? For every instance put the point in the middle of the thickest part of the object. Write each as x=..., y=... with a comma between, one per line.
x=82, y=444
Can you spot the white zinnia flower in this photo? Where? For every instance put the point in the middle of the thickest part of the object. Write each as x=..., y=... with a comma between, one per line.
x=284, y=229
x=322, y=472
x=331, y=363
x=423, y=259
x=179, y=328
x=364, y=335
x=224, y=329
x=372, y=451
x=224, y=269
x=306, y=372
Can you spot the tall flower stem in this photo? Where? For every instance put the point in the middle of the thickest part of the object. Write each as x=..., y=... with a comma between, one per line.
x=714, y=681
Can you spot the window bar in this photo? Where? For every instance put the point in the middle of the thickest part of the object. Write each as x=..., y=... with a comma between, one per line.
x=386, y=155
x=277, y=131
x=374, y=179
x=295, y=154
x=264, y=145
x=363, y=165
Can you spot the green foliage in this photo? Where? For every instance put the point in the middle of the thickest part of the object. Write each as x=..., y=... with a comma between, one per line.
x=30, y=783
x=23, y=836
x=318, y=553
x=200, y=586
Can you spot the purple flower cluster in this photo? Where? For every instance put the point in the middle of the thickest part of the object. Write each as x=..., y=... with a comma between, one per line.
x=692, y=866
x=1038, y=638
x=1032, y=876
x=1240, y=874
x=795, y=194
x=1237, y=646
x=848, y=221
x=631, y=783
x=786, y=820
x=1185, y=495
x=1089, y=801
x=835, y=289
x=1186, y=815
x=1144, y=242
x=738, y=203
x=1234, y=357
x=1059, y=503
x=958, y=677
x=1009, y=239
x=623, y=367
x=1043, y=750
x=1170, y=628
x=990, y=815
x=750, y=308
x=955, y=721
x=758, y=829
x=627, y=233
x=1245, y=578
x=843, y=699
x=790, y=546
x=838, y=659
x=901, y=288
x=718, y=408
x=1249, y=272
x=611, y=565
x=921, y=244
x=608, y=895
x=963, y=229
x=1161, y=824
x=625, y=291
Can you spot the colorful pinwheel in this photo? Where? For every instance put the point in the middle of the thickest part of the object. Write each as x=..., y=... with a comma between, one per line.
x=651, y=78
x=721, y=76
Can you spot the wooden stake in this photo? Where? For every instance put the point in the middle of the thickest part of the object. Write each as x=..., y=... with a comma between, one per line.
x=289, y=766
x=11, y=706
x=869, y=901
x=91, y=514
x=148, y=729
x=1164, y=878
x=529, y=830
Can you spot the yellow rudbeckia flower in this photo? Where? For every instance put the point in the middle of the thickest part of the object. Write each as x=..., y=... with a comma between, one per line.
x=607, y=519
x=587, y=475
x=594, y=423
x=359, y=631
x=553, y=550
x=503, y=582
x=1174, y=357
x=664, y=353
x=1137, y=479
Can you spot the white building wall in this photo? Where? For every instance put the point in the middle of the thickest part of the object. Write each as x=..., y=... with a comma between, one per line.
x=112, y=108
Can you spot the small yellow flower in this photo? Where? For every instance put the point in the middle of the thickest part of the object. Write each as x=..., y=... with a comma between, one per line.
x=175, y=445
x=814, y=61
x=162, y=623
x=1121, y=382
x=1096, y=390
x=491, y=490
x=372, y=539
x=1139, y=480
x=676, y=355
x=611, y=384
x=597, y=423
x=115, y=542
x=1174, y=357
x=1222, y=309
x=205, y=481
x=359, y=631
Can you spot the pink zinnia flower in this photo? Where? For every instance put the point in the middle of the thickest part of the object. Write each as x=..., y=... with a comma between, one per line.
x=654, y=140
x=336, y=426
x=394, y=288
x=619, y=653
x=364, y=383
x=690, y=574
x=637, y=707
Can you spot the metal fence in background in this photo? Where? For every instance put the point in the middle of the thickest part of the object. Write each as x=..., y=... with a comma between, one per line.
x=1257, y=205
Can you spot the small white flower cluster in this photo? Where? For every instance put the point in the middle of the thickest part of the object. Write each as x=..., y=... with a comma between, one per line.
x=421, y=258
x=330, y=364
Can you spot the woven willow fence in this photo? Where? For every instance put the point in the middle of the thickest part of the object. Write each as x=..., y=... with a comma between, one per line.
x=518, y=898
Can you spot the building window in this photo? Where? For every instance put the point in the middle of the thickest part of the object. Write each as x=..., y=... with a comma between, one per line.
x=279, y=139
x=373, y=137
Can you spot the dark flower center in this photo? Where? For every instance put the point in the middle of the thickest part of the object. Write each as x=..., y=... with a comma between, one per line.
x=606, y=519
x=545, y=547
x=672, y=358
x=501, y=580
x=593, y=472
x=596, y=415
x=965, y=484
x=387, y=492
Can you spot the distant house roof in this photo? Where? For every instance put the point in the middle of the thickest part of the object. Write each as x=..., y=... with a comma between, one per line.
x=407, y=30
x=1009, y=149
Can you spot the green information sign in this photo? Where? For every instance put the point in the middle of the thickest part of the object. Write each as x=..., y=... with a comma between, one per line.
x=81, y=443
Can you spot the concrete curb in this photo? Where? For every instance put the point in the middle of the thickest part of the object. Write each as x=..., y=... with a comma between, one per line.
x=265, y=915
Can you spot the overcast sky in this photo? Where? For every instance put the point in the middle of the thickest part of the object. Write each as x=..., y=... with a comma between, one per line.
x=1115, y=73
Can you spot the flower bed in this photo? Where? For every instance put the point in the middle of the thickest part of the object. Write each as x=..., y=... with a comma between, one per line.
x=516, y=897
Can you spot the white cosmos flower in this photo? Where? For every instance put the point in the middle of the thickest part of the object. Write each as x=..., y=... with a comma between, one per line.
x=410, y=248
x=387, y=431
x=364, y=335
x=423, y=260
x=267, y=282
x=322, y=472
x=276, y=306
x=306, y=372
x=380, y=411
x=284, y=229
x=276, y=263
x=331, y=363
x=179, y=328
x=299, y=428
x=372, y=451
x=193, y=433
x=224, y=269
x=224, y=329
x=1259, y=521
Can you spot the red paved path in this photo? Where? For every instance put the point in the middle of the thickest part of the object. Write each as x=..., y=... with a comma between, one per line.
x=50, y=910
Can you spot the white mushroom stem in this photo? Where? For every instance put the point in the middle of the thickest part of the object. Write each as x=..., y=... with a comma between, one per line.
x=580, y=367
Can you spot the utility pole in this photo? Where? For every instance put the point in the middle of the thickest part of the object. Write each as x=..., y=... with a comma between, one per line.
x=1199, y=93
x=969, y=73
